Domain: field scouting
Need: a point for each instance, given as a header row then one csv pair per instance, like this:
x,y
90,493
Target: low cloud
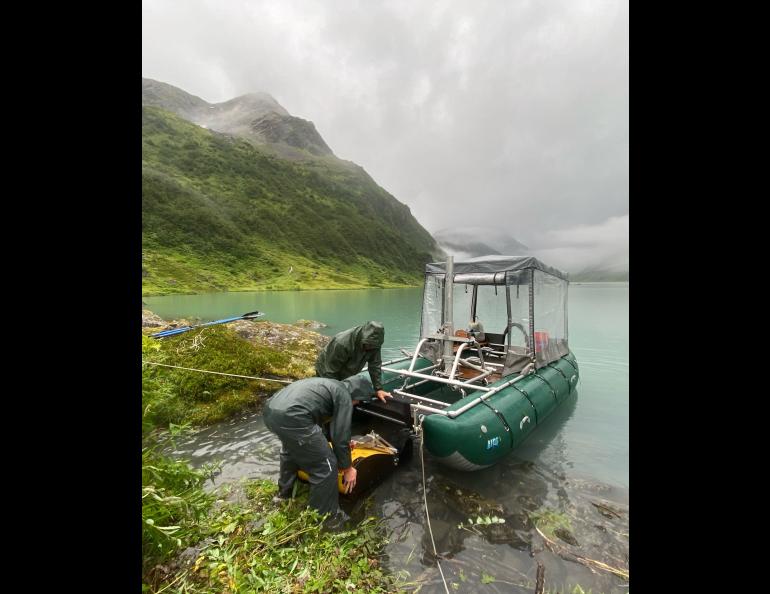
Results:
x,y
603,246
513,113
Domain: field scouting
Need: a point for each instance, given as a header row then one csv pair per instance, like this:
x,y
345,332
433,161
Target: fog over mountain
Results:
x,y
256,116
589,249
233,193
471,242
512,114
602,247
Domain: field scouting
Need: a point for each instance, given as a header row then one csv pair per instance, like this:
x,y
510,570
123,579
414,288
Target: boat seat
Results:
x,y
497,339
464,334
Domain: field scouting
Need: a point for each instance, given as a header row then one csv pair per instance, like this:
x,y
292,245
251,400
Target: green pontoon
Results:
x,y
492,361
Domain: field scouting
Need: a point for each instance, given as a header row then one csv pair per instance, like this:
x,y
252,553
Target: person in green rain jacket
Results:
x,y
295,414
348,352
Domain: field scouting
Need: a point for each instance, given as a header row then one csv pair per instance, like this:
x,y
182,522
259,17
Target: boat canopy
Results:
x,y
489,267
520,302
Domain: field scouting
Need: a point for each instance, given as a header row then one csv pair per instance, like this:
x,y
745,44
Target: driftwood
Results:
x,y
606,510
590,563
540,579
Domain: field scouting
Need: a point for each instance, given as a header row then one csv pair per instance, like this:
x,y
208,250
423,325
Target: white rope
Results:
x,y
266,379
427,515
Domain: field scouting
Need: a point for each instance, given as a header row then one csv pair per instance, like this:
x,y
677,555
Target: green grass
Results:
x,y
237,546
221,214
173,503
176,273
260,546
187,397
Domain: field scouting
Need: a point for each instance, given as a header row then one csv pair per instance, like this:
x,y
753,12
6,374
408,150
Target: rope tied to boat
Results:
x,y
252,377
427,513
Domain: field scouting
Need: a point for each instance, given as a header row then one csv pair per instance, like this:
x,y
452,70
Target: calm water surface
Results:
x,y
577,458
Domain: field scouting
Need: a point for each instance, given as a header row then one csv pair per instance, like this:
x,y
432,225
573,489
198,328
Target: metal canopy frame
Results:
x,y
483,278
497,271
444,370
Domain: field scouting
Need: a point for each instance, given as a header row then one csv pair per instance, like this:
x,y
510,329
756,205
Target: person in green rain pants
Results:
x,y
295,414
348,352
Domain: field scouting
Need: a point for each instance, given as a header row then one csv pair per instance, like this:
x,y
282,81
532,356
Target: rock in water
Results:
x,y
310,324
151,320
566,536
471,505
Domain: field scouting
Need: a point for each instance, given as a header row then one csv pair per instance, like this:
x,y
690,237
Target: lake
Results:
x,y
575,462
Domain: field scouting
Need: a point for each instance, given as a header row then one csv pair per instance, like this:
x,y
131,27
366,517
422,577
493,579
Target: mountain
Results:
x,y
231,211
256,116
471,242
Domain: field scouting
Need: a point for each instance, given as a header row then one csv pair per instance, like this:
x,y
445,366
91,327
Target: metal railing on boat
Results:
x,y
488,392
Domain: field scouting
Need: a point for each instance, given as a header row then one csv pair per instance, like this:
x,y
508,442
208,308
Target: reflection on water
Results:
x,y
244,446
596,435
535,478
574,466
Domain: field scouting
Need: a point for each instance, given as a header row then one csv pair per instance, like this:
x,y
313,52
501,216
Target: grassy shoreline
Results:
x,y
201,543
236,539
247,348
151,292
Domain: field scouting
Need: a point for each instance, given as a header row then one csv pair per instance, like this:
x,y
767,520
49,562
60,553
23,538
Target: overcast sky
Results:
x,y
512,112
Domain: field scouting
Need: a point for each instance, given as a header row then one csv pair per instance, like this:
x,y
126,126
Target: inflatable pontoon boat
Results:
x,y
477,389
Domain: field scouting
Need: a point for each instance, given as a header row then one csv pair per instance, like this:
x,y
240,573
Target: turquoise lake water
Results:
x,y
576,458
596,435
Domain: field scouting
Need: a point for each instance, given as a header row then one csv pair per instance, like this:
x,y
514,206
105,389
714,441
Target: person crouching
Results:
x,y
295,415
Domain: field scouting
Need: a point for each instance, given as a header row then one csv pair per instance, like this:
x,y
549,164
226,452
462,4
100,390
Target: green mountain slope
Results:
x,y
220,213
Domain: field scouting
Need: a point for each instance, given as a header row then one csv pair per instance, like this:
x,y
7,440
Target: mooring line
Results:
x,y
427,514
265,379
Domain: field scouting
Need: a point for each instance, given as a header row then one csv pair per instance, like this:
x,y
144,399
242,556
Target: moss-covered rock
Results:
x,y
257,349
151,320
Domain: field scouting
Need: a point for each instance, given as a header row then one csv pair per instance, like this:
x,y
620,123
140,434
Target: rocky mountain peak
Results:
x,y
258,117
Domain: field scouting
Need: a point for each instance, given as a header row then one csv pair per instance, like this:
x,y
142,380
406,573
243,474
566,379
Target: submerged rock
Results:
x,y
606,510
311,324
566,536
504,527
466,501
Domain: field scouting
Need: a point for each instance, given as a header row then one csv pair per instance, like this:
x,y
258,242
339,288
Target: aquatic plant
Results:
x,y
552,525
480,521
549,521
486,578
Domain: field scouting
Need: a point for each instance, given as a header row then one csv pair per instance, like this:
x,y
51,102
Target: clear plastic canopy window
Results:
x,y
550,327
546,333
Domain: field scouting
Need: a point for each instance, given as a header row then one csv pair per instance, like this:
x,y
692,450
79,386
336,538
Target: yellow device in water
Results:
x,y
371,456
